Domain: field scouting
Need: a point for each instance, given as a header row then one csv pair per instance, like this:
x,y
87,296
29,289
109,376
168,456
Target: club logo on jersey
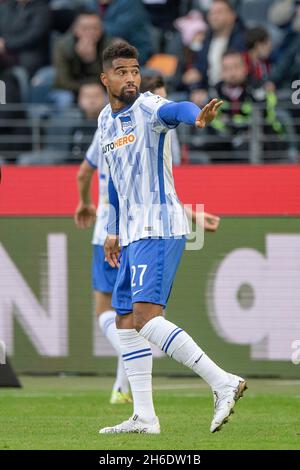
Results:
x,y
118,143
126,124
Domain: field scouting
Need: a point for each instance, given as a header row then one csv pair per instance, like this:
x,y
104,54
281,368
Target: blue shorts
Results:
x,y
147,271
103,276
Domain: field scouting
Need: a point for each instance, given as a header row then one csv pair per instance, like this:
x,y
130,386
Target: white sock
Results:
x,y
107,323
137,357
178,344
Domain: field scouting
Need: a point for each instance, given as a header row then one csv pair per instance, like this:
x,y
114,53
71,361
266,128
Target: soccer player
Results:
x,y
103,275
150,224
152,228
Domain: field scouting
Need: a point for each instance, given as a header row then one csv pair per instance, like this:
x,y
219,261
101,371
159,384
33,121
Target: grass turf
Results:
x,y
66,413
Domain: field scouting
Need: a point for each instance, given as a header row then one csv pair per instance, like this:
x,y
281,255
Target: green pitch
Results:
x,y
66,413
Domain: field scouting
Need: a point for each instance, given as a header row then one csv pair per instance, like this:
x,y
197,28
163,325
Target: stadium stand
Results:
x,y
44,68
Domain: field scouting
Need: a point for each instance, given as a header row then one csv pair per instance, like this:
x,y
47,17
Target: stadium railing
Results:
x,y
26,129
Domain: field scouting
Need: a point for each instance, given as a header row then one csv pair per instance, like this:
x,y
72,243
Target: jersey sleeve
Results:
x,y
93,153
152,104
114,211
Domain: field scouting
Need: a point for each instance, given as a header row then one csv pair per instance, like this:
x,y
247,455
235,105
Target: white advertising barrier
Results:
x,y
45,322
255,299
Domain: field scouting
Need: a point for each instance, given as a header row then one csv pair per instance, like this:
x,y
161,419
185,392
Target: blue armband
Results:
x,y
173,114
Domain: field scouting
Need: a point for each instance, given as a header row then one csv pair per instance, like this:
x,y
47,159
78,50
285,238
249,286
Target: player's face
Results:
x,y
123,80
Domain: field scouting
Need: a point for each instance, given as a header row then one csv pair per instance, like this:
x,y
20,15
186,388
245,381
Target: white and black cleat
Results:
x,y
225,400
134,425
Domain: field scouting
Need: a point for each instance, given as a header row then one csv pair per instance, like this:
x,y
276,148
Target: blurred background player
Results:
x,y
156,85
103,276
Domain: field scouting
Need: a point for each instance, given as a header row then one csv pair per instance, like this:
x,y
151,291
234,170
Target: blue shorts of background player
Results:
x,y
103,276
147,271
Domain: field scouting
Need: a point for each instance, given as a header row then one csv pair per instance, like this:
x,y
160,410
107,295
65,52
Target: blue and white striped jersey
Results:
x,y
137,148
97,160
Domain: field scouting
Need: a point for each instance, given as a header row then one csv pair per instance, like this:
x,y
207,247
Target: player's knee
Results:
x,y
119,322
139,322
140,319
143,313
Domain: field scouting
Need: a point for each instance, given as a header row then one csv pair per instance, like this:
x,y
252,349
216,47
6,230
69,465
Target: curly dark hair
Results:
x,y
116,50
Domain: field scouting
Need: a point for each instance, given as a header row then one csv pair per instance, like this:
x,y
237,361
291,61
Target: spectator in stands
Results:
x,y
287,67
225,32
285,70
286,59
259,48
91,100
129,22
235,116
192,28
15,133
24,28
78,55
69,134
24,33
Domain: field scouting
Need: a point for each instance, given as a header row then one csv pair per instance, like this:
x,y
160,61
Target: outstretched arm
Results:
x,y
186,112
210,222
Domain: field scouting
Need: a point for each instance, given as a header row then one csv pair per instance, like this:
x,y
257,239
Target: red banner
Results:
x,y
224,190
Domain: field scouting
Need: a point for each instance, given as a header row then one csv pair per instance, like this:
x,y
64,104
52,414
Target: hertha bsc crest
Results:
x,y
126,124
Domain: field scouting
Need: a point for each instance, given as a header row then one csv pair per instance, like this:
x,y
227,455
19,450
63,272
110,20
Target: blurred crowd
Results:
x,y
243,51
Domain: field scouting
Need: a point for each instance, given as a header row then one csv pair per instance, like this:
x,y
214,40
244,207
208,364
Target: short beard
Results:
x,y
127,98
